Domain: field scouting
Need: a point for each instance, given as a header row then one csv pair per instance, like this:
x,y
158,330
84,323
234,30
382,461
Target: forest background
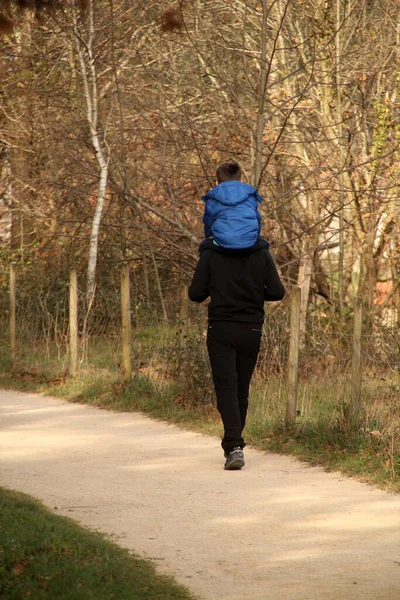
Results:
x,y
113,117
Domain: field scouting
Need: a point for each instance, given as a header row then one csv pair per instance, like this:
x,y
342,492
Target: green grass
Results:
x,y
320,436
46,556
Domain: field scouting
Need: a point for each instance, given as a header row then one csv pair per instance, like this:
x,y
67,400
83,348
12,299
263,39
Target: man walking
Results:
x,y
238,282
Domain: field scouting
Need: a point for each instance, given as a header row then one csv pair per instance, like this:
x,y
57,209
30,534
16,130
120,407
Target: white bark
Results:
x,y
99,143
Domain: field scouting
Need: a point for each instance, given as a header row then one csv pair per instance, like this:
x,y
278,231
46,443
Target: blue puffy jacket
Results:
x,y
231,214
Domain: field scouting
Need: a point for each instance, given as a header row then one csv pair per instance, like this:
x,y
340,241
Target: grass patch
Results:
x,y
320,437
46,556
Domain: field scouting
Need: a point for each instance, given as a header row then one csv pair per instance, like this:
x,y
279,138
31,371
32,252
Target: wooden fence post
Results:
x,y
126,323
356,375
183,313
293,359
73,321
13,312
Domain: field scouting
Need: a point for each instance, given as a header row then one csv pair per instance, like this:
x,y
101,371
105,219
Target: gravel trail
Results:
x,y
277,530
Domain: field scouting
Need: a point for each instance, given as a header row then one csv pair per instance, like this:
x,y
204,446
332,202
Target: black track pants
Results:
x,y
233,349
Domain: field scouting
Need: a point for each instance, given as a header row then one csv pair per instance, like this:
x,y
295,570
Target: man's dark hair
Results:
x,y
228,171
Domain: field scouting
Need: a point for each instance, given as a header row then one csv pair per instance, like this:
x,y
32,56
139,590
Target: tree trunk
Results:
x,y
87,61
304,282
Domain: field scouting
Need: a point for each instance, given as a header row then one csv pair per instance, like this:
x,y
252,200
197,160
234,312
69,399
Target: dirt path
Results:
x,y
277,530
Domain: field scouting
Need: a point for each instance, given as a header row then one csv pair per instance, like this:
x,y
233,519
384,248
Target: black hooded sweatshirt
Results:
x,y
238,282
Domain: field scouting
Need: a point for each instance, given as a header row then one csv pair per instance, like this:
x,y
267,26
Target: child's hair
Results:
x,y
228,171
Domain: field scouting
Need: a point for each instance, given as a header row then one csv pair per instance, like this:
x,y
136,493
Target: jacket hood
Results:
x,y
231,193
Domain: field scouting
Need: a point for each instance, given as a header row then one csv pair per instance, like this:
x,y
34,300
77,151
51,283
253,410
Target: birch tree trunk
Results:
x,y
87,62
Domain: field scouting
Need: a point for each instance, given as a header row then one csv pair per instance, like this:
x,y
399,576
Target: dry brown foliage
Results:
x,y
171,20
6,25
